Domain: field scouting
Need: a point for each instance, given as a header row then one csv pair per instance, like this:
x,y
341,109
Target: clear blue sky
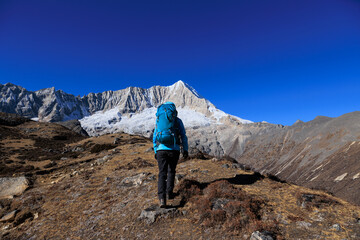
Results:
x,y
274,60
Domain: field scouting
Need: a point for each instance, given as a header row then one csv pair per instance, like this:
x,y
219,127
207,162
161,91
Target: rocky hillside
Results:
x,y
75,187
322,153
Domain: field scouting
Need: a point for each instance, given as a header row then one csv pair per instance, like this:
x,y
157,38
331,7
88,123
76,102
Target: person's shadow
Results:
x,y
243,179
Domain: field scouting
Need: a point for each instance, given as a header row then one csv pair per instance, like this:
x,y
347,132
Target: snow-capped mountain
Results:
x,y
131,110
46,105
135,108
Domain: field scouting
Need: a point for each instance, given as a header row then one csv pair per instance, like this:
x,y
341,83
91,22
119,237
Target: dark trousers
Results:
x,y
167,161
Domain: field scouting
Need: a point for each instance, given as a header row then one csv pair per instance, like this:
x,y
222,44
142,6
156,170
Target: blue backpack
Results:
x,y
166,131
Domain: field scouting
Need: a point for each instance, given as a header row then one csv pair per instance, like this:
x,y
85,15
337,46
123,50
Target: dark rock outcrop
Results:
x,y
10,119
74,125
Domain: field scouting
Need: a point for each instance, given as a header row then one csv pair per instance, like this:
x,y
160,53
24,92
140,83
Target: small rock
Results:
x,y
6,227
9,217
136,180
149,150
107,179
336,227
305,199
264,235
151,178
225,165
117,140
178,177
154,212
319,217
303,224
116,151
134,153
64,158
194,170
236,165
205,171
219,203
214,159
77,149
107,157
12,186
103,160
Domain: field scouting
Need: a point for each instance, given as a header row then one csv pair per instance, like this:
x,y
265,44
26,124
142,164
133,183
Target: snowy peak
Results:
x,y
181,85
133,109
127,108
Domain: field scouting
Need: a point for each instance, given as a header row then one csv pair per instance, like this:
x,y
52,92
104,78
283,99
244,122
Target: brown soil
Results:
x,y
76,196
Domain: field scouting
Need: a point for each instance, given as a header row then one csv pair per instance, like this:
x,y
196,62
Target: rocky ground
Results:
x,y
105,187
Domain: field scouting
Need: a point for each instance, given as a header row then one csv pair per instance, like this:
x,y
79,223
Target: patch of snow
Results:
x,y
314,178
356,176
216,113
100,121
181,83
317,168
191,118
242,120
142,123
192,90
35,119
340,178
350,146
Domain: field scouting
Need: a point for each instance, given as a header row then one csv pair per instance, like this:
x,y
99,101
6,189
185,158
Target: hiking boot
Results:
x,y
170,195
162,203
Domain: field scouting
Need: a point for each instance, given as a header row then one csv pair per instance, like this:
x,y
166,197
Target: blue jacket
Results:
x,y
182,136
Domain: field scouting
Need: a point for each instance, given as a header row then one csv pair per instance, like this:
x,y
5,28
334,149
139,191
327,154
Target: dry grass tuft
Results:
x,y
188,188
222,205
310,201
136,164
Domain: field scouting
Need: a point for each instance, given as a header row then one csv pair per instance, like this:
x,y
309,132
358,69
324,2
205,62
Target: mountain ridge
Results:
x,y
51,105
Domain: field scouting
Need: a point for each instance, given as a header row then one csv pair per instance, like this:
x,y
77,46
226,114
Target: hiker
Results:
x,y
169,134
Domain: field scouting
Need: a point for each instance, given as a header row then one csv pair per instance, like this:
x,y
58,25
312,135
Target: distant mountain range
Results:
x,y
131,110
52,105
323,153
